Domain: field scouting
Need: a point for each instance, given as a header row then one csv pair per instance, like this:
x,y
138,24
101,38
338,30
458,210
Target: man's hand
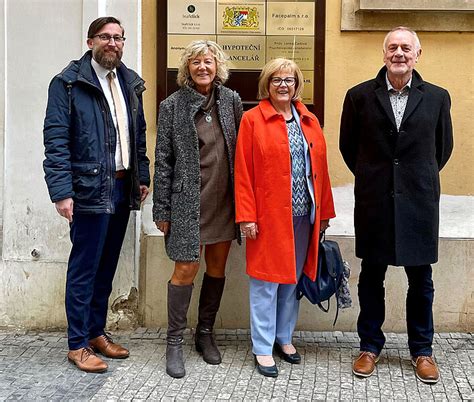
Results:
x,y
249,229
163,226
143,192
65,207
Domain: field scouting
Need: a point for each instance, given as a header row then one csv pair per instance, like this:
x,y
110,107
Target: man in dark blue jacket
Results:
x,y
96,170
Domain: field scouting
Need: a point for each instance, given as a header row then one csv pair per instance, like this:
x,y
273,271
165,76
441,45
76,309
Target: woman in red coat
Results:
x,y
283,200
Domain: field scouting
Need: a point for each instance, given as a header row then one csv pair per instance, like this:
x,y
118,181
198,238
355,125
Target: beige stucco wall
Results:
x,y
447,60
353,57
32,289
453,311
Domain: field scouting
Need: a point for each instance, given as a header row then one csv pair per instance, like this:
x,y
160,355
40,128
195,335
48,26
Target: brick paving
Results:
x,y
33,366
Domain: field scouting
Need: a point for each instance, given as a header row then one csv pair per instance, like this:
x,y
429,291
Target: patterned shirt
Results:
x,y
300,197
399,100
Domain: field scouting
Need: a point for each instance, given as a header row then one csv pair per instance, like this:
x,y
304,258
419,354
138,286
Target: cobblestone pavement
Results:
x,y
33,366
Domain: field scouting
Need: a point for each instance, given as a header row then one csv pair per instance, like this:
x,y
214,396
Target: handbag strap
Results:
x,y
337,310
326,309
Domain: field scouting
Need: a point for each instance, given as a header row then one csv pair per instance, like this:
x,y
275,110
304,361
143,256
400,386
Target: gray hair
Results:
x,y
199,48
417,40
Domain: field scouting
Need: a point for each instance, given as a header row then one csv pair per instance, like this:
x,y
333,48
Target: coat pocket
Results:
x,y
86,180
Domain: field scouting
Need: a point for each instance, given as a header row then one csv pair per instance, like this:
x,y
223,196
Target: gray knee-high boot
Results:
x,y
209,302
178,303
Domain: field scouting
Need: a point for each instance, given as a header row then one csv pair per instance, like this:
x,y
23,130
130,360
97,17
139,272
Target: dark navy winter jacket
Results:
x,y
80,138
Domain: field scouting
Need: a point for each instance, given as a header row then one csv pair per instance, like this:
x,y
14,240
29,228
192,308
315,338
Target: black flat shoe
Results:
x,y
294,358
267,371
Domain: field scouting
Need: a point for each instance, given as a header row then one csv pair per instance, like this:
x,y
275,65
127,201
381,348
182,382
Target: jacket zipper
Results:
x,y
105,113
110,176
69,94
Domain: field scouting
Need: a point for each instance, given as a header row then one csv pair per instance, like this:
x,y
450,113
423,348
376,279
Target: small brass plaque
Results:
x,y
177,43
308,87
290,18
239,18
244,52
191,17
300,49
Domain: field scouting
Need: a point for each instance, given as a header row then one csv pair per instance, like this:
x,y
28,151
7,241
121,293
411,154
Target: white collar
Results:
x,y
101,71
390,86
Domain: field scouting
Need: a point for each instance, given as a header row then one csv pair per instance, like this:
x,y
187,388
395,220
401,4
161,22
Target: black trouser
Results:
x,y
419,308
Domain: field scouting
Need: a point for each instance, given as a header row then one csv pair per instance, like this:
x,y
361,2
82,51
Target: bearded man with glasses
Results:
x,y
96,170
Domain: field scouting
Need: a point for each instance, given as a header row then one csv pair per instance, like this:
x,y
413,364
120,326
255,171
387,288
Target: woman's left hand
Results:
x,y
249,229
324,225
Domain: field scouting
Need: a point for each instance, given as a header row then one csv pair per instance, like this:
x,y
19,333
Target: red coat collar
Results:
x,y
268,111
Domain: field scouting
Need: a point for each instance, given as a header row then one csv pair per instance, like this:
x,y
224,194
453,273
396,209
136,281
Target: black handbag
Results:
x,y
328,277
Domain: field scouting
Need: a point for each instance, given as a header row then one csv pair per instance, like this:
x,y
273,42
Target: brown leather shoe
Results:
x,y
86,360
426,369
104,345
364,365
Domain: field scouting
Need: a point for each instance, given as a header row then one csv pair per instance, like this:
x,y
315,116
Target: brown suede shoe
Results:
x,y
426,369
364,365
104,345
86,360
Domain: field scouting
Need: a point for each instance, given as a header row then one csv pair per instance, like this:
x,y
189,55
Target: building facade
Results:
x,y
40,38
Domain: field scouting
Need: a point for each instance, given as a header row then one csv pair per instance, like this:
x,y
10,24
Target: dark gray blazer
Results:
x,y
397,187
177,180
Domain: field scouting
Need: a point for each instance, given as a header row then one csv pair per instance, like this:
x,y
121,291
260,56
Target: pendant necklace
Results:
x,y
208,115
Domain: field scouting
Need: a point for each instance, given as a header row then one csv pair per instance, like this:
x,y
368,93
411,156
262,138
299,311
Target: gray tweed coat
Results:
x,y
177,180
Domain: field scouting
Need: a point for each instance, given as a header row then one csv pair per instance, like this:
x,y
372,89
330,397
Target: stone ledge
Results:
x,y
456,219
353,18
415,5
453,276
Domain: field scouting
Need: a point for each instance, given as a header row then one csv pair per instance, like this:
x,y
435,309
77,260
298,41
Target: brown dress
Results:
x,y
217,212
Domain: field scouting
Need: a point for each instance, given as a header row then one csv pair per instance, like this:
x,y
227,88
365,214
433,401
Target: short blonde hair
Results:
x,y
199,48
278,65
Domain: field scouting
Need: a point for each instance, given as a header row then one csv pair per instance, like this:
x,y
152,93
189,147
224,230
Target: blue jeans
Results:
x,y
419,308
96,243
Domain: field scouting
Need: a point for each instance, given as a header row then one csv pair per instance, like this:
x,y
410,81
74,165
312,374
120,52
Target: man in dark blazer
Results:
x,y
96,170
396,135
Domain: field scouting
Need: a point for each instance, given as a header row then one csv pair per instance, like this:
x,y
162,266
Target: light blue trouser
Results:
x,y
273,306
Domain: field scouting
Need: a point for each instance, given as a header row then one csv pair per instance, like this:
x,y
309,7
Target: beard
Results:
x,y
109,60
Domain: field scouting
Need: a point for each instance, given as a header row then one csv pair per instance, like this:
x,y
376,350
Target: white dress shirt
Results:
x,y
398,100
102,76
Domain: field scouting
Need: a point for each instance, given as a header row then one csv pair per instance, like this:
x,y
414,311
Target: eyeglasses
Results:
x,y
277,81
107,38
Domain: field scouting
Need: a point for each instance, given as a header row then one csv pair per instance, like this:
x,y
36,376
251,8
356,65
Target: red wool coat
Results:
x,y
263,191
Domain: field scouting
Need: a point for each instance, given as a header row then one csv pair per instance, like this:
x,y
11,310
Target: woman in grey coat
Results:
x,y
193,200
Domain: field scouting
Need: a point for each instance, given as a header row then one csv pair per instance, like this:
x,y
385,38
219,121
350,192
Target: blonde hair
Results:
x,y
278,65
200,48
